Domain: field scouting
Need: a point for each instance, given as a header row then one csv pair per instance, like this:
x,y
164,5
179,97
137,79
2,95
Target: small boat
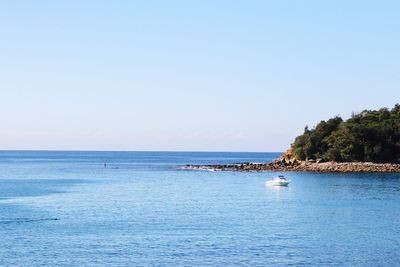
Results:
x,y
278,181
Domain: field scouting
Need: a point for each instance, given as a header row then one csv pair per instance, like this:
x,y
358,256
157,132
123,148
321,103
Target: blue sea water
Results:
x,y
67,209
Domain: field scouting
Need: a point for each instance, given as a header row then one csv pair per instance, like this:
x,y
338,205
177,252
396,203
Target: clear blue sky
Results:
x,y
190,75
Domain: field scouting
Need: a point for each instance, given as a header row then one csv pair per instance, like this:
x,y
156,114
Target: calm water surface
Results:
x,y
67,209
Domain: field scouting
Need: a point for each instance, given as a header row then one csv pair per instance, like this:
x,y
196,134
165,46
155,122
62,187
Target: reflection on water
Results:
x,y
277,188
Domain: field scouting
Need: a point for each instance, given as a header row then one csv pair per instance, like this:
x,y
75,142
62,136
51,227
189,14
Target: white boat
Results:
x,y
278,181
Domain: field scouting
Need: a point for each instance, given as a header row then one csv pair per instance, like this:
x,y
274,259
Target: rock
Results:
x,y
287,162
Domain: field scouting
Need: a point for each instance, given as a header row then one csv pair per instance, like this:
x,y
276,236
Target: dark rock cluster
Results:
x,y
288,163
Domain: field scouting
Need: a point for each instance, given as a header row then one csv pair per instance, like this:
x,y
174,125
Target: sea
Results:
x,y
61,208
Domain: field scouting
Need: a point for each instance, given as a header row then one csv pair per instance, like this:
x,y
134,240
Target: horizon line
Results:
x,y
160,151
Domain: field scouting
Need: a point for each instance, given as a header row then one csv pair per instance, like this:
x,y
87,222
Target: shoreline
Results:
x,y
282,164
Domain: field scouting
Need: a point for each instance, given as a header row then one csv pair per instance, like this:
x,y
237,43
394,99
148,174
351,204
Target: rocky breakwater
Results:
x,y
287,162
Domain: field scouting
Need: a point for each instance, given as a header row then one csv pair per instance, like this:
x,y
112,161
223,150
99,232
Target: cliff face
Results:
x,y
287,157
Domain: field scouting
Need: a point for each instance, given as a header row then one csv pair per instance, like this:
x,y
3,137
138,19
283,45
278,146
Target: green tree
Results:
x,y
372,135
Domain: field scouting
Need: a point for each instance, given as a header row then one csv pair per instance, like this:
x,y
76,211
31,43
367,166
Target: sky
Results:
x,y
190,75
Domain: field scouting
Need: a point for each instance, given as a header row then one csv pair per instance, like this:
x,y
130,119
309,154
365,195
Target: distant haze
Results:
x,y
190,75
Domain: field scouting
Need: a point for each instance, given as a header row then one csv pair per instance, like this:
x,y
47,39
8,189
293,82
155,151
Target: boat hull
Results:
x,y
274,183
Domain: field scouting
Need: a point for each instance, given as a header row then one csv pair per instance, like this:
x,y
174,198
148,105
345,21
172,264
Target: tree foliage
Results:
x,y
369,136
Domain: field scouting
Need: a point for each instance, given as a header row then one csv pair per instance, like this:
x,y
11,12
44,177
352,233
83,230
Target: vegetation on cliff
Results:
x,y
369,136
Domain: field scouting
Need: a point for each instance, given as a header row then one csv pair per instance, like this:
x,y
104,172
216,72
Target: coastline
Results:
x,y
289,164
327,167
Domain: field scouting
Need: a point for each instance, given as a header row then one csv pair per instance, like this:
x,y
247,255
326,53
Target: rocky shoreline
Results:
x,y
287,163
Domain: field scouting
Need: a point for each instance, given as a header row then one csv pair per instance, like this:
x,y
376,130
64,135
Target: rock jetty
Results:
x,y
287,162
